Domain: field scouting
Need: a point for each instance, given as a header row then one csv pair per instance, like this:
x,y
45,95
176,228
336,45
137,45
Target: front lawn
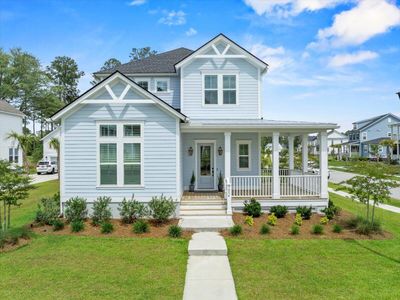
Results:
x,y
319,269
75,267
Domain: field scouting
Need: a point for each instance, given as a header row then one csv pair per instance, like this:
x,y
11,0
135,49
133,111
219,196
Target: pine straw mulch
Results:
x,y
120,230
282,229
10,247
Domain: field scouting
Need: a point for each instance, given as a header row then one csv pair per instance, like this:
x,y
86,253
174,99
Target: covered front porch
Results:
x,y
230,152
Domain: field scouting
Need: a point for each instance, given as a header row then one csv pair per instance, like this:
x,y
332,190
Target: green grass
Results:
x,y
25,213
73,267
319,269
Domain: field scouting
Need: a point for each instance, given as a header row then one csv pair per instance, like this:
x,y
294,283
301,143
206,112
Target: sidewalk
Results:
x,y
383,206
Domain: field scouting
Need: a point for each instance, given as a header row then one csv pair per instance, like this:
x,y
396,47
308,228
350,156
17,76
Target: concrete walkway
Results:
x,y
208,274
42,178
383,206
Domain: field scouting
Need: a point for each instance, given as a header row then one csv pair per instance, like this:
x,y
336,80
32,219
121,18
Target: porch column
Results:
x,y
304,148
227,154
276,192
323,163
291,152
397,136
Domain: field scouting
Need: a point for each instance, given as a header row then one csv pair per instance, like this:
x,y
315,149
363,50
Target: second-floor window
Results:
x,y
144,84
161,85
220,89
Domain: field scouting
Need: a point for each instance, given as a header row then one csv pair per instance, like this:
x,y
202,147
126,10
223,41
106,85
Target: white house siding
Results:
x,y
172,97
48,151
160,159
9,123
192,90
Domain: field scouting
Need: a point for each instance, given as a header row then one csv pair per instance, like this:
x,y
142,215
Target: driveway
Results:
x,y
43,178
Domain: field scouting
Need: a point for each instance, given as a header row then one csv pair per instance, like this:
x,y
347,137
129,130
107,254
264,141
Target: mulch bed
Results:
x,y
282,229
10,247
120,230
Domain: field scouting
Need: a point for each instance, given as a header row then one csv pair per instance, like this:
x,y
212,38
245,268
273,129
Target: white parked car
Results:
x,y
46,167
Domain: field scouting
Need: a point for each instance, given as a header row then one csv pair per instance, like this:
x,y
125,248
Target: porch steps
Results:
x,y
206,223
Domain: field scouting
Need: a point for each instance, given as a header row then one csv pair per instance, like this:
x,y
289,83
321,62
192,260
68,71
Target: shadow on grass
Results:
x,y
356,242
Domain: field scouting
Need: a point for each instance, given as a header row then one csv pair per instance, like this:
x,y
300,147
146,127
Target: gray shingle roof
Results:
x,y
8,108
159,63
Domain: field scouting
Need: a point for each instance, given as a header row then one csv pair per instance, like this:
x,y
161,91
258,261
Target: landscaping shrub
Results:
x,y
130,210
295,229
140,226
235,230
317,229
272,219
367,227
354,221
252,208
77,225
332,210
298,220
48,210
101,210
249,221
324,220
58,225
13,235
75,209
337,228
107,227
174,231
161,208
265,229
279,211
304,211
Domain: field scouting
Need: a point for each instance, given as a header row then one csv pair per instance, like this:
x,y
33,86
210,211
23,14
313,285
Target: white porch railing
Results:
x,y
282,172
228,196
300,185
251,186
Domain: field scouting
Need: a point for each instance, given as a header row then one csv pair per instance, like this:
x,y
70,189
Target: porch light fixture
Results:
x,y
190,151
220,150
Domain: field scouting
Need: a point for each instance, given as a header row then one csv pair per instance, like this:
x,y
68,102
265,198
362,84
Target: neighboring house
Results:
x,y
49,153
10,120
147,125
334,138
368,132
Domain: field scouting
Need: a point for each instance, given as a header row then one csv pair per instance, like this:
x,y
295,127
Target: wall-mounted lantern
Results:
x,y
190,151
220,150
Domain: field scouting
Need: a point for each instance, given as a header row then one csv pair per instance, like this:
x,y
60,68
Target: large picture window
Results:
x,y
120,154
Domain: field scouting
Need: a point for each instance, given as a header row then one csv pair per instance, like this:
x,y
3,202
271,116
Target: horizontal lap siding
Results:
x,y
159,152
247,96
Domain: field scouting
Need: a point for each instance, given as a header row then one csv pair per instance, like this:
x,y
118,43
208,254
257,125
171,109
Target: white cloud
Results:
x,y
287,8
357,25
137,2
341,60
275,57
191,31
173,17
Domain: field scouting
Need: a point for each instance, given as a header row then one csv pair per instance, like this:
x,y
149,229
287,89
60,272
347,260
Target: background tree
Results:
x,y
374,151
110,64
64,75
140,53
25,142
55,144
390,144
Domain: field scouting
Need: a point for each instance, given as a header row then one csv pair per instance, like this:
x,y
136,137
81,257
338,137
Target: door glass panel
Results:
x,y
205,160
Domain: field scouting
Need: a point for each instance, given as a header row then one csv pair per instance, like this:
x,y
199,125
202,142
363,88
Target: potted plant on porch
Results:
x,y
192,181
220,182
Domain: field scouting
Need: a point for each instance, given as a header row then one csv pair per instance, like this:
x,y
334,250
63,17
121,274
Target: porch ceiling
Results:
x,y
256,125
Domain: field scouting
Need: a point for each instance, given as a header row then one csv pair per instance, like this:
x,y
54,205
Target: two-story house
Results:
x,y
368,132
335,141
148,125
10,121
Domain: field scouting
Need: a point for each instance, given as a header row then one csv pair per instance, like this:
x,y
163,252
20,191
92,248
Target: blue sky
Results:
x,y
330,60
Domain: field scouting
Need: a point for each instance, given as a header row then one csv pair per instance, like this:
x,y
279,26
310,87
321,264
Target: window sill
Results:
x,y
118,187
165,92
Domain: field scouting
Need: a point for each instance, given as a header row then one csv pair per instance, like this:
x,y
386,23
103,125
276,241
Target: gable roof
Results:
x,y
158,63
51,134
9,109
338,133
375,120
57,115
372,119
223,37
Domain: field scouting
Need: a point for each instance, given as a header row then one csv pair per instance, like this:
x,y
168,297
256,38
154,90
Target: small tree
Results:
x,y
374,151
55,144
390,144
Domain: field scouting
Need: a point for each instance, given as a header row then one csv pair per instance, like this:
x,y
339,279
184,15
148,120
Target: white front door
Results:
x,y
205,166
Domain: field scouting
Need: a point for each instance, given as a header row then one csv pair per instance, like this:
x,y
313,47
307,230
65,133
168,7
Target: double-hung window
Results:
x,y
143,84
243,155
162,85
220,89
120,154
13,155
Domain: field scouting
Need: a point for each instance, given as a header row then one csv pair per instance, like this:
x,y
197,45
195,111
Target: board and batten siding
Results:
x,y
192,89
80,148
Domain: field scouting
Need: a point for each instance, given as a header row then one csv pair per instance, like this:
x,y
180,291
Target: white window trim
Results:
x,y
120,140
220,88
238,143
162,79
364,136
15,153
389,134
137,79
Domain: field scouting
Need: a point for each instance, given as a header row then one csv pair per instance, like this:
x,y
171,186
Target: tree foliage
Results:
x,y
110,64
25,141
140,53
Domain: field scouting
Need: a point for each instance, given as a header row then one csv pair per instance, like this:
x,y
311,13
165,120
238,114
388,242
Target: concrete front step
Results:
x,y
205,223
203,212
203,207
207,243
203,202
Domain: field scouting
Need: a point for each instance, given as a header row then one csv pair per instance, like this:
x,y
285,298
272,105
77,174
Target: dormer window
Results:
x,y
219,89
162,85
143,84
